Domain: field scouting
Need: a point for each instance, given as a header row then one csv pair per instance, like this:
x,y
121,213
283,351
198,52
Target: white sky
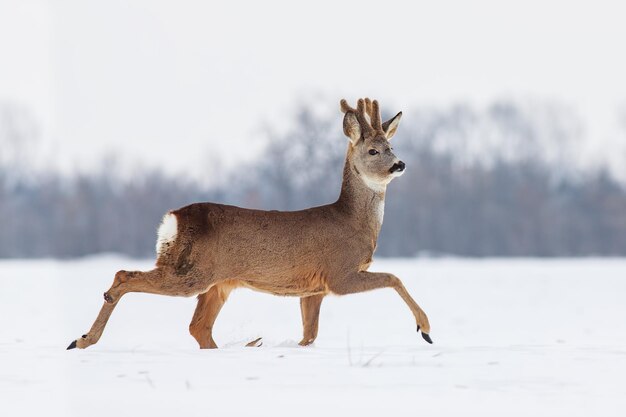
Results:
x,y
186,84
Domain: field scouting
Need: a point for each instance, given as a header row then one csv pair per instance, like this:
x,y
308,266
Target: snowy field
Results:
x,y
512,338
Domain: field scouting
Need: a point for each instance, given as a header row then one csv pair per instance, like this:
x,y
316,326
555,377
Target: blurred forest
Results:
x,y
495,182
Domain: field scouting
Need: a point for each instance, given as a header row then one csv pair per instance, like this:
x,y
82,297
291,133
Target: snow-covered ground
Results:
x,y
512,338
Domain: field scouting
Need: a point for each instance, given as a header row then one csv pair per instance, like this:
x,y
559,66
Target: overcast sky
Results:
x,y
183,84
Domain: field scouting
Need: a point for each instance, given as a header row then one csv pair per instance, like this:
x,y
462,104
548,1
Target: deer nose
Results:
x,y
398,166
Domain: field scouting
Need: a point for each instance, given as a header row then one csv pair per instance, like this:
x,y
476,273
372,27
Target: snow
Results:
x,y
512,337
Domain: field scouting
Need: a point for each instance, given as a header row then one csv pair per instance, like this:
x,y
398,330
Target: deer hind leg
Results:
x,y
156,281
310,310
209,305
96,330
366,281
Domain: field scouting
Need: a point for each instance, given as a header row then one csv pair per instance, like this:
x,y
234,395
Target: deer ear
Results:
x,y
351,127
391,125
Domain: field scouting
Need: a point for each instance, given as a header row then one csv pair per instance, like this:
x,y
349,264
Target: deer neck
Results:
x,y
362,201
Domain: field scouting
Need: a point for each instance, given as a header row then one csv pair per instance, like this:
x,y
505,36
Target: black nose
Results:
x,y
399,167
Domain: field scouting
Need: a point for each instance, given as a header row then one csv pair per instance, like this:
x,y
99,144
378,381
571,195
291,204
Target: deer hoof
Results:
x,y
81,343
425,336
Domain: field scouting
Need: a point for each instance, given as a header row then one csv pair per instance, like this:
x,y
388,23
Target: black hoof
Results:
x,y
72,345
427,338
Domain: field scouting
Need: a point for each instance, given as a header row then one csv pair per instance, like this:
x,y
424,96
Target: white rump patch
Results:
x,y
167,233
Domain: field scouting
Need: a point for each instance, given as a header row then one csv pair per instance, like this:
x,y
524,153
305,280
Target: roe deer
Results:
x,y
210,249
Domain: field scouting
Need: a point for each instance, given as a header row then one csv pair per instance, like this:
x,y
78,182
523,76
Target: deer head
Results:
x,y
370,153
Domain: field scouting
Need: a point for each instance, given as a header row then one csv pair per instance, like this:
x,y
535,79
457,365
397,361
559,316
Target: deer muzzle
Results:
x,y
397,167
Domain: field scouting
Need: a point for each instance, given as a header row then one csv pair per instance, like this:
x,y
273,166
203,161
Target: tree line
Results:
x,y
498,182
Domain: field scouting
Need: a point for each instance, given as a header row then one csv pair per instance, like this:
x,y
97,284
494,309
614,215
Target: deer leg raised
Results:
x,y
96,330
310,310
156,281
365,281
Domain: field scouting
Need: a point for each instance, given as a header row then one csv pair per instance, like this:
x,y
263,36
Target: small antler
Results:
x,y
345,107
371,107
366,112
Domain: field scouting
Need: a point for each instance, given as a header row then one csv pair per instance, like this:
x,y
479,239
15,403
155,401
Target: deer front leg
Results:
x,y
209,305
310,309
365,281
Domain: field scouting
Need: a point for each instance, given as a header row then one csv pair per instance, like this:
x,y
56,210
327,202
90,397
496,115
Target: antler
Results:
x,y
371,107
363,108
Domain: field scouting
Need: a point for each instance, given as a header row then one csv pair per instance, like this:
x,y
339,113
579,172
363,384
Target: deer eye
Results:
x,y
373,152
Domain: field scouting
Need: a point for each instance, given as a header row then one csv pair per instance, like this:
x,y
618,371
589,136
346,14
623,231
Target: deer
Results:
x,y
208,249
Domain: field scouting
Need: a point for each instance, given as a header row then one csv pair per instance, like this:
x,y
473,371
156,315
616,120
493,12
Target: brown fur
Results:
x,y
309,253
